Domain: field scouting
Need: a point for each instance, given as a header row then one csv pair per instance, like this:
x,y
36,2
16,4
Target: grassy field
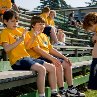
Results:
x,y
91,93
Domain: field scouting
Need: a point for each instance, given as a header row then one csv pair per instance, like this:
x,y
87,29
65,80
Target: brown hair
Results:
x,y
36,19
45,9
9,14
89,20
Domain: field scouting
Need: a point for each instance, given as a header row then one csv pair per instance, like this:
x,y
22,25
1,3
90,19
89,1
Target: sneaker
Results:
x,y
62,93
59,44
55,95
73,92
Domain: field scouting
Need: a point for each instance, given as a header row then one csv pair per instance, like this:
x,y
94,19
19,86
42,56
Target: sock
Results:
x,y
70,86
54,91
61,88
42,95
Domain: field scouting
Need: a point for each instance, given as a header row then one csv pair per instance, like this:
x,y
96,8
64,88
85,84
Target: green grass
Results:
x,y
91,93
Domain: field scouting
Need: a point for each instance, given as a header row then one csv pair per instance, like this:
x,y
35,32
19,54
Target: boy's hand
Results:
x,y
68,61
56,62
94,38
24,33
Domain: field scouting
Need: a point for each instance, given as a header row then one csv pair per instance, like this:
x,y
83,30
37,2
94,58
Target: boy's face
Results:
x,y
93,28
11,23
39,27
52,15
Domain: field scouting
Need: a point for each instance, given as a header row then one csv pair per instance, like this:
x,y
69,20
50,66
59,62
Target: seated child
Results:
x,y
14,40
42,49
90,24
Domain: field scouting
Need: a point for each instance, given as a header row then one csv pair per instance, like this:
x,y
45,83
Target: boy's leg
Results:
x,y
27,63
72,91
60,80
41,77
61,37
67,73
50,68
51,75
53,35
59,74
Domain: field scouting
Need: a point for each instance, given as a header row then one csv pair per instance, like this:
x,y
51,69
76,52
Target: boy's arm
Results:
x,y
94,38
47,56
58,54
8,47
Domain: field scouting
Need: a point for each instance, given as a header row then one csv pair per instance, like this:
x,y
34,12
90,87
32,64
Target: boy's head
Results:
x,y
52,14
46,10
10,19
37,23
90,22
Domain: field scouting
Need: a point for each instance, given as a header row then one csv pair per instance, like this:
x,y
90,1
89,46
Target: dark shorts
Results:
x,y
46,60
93,75
47,30
26,63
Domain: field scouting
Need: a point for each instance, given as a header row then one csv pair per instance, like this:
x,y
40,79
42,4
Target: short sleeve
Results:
x,y
31,43
49,45
4,37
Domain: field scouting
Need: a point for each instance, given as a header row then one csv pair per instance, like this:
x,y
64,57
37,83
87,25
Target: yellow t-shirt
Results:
x,y
5,4
9,36
42,41
44,16
51,22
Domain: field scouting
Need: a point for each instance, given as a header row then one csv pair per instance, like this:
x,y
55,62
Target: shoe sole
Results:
x,y
68,95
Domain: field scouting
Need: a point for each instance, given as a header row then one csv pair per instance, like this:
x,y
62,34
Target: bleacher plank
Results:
x,y
9,79
72,47
5,66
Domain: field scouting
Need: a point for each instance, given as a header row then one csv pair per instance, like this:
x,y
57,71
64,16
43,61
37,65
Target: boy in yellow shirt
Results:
x,y
42,49
90,24
14,40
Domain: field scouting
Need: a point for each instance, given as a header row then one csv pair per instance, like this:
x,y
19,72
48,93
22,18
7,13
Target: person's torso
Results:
x,y
19,51
43,43
51,22
44,16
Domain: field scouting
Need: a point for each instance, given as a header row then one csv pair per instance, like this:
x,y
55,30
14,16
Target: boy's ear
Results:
x,y
32,26
5,21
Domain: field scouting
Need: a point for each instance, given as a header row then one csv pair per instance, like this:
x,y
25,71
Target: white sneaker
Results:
x,y
62,93
59,43
73,92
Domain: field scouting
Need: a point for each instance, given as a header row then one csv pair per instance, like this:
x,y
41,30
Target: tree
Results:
x,y
92,3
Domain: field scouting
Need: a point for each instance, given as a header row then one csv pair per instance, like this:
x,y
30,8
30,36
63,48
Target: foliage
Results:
x,y
91,93
92,3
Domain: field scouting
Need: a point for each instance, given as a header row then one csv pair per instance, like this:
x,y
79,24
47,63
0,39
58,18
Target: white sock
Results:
x,y
54,91
42,95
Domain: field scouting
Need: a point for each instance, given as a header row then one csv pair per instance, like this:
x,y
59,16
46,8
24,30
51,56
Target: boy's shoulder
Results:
x,y
20,28
4,30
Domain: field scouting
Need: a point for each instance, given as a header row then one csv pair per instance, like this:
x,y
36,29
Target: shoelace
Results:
x,y
75,89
